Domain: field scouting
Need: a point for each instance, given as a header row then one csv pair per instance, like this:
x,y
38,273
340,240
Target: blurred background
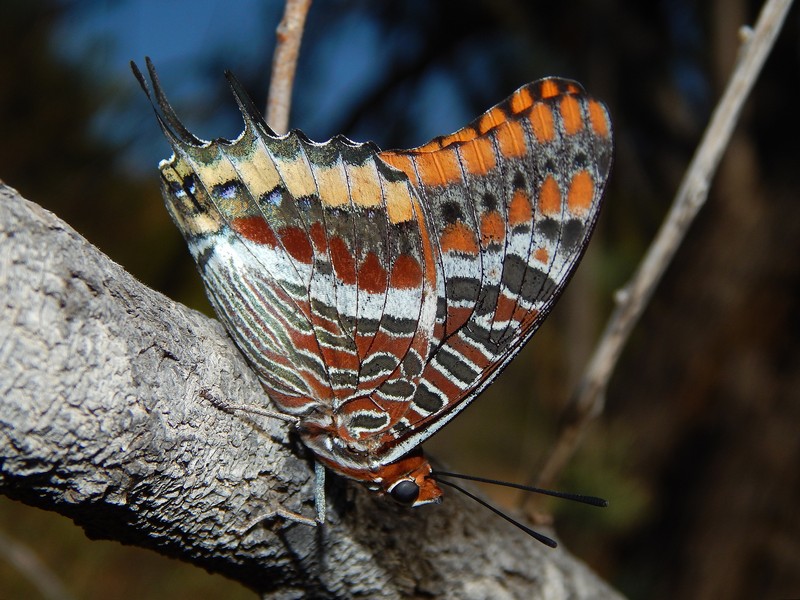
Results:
x,y
699,448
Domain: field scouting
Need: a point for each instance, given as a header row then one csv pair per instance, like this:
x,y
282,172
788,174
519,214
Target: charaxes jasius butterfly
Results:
x,y
377,293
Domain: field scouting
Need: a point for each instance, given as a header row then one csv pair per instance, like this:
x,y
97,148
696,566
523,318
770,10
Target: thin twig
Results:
x,y
25,560
588,400
289,35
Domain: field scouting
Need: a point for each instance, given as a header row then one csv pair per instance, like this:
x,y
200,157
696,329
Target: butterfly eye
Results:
x,y
405,492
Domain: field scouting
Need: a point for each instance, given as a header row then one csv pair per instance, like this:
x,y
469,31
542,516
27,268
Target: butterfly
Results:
x,y
377,293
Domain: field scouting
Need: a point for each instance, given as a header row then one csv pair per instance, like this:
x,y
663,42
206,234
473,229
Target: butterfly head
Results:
x,y
409,481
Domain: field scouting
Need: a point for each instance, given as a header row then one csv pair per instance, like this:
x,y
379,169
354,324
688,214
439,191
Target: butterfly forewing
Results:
x,y
511,201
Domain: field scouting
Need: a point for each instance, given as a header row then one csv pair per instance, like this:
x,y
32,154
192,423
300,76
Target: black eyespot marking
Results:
x,y
451,212
489,201
406,492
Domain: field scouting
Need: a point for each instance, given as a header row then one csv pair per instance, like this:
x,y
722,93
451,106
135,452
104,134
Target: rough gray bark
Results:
x,y
103,421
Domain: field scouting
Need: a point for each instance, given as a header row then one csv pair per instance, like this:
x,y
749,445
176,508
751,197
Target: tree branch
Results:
x,y
588,400
284,63
35,572
103,420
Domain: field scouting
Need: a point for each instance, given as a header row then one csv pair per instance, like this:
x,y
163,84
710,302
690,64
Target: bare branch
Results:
x,y
588,400
103,419
34,570
284,63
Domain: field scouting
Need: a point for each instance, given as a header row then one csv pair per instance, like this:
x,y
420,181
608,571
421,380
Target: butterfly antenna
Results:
x,y
583,499
534,534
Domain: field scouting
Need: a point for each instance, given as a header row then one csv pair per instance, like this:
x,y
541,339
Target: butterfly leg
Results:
x,y
319,468
288,515
319,492
282,513
247,408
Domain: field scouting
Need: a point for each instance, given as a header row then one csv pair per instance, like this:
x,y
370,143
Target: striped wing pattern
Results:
x,y
377,293
512,199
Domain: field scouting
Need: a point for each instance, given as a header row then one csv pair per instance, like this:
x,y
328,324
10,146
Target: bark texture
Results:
x,y
103,421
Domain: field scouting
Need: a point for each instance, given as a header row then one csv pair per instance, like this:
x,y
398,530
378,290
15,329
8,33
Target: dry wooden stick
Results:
x,y
588,400
284,63
30,566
